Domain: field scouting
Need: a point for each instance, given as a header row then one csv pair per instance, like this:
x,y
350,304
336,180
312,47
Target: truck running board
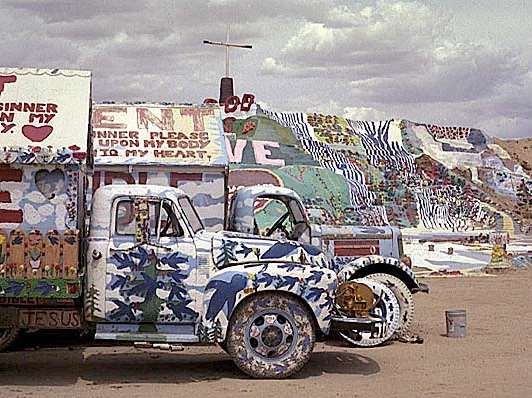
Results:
x,y
162,333
159,346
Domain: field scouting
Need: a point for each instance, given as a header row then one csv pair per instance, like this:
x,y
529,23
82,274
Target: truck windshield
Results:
x,y
190,214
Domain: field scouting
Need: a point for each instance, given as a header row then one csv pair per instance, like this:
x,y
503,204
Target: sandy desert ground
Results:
x,y
494,360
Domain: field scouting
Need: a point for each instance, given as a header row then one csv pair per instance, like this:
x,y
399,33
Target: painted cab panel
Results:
x,y
313,284
140,280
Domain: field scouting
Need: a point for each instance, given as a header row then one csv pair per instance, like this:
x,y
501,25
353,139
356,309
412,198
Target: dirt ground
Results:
x,y
494,360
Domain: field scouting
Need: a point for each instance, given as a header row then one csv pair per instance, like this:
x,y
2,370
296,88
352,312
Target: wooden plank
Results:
x,y
4,271
34,255
70,244
16,254
52,255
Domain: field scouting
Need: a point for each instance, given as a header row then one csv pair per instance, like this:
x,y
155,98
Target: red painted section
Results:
x,y
11,216
8,174
5,197
356,247
118,175
6,79
197,116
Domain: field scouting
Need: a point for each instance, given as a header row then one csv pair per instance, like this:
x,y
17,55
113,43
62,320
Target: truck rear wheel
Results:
x,y
271,335
7,337
405,298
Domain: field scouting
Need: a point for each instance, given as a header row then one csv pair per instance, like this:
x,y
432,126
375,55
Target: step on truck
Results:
x,y
128,233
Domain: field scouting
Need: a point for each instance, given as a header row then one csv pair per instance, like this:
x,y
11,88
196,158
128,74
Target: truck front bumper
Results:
x,y
422,287
368,324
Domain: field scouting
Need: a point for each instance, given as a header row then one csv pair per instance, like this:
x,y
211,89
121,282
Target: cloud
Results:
x,y
366,59
402,57
364,113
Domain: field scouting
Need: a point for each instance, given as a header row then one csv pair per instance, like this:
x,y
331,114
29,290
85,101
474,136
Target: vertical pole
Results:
x,y
227,52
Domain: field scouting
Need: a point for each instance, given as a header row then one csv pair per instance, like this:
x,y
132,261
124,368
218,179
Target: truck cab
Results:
x,y
353,252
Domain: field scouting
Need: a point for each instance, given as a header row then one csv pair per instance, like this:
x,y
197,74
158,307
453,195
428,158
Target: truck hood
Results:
x,y
231,248
354,232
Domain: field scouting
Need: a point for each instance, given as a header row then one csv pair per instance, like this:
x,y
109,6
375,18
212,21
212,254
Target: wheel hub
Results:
x,y
271,334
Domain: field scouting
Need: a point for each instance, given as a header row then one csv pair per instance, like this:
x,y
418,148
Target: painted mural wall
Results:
x,y
44,117
163,144
394,172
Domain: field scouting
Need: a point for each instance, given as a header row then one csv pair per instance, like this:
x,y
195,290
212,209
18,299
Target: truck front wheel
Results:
x,y
271,335
7,337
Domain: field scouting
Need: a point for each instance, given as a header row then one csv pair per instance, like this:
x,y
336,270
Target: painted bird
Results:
x,y
173,260
314,293
122,261
118,282
142,255
291,266
181,311
266,278
124,311
316,276
14,288
280,249
288,281
147,287
46,288
177,288
225,293
245,250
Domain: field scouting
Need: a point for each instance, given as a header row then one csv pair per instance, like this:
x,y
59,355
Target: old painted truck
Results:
x,y
106,232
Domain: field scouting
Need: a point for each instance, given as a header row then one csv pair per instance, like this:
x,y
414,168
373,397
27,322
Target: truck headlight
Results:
x,y
354,299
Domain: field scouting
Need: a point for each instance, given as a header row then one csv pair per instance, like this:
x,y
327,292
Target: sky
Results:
x,y
447,62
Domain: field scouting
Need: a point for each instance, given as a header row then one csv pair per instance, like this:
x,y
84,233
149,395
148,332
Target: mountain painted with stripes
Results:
x,y
392,172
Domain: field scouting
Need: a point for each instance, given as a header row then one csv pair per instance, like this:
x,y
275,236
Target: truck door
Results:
x,y
176,265
151,263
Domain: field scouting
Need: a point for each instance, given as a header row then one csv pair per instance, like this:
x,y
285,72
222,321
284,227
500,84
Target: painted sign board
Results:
x,y
158,134
44,115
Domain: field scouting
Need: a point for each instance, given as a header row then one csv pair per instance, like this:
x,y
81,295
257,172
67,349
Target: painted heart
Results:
x,y
36,134
50,183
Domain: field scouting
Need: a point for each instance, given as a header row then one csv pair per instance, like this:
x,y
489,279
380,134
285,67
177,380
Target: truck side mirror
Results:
x,y
142,220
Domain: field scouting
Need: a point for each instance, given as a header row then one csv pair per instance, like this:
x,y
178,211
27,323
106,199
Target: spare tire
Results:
x,y
387,308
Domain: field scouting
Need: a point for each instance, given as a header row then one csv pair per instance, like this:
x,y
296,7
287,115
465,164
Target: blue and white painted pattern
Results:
x,y
201,280
47,195
228,287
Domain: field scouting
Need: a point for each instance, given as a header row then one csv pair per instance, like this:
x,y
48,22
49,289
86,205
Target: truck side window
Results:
x,y
190,214
169,225
125,217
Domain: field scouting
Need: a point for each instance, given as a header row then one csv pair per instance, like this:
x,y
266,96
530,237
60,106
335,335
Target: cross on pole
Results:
x,y
226,44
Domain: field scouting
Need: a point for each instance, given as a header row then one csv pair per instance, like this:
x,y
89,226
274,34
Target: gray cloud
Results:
x,y
372,58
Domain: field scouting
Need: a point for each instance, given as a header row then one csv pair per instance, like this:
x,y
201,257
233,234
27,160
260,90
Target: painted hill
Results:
x,y
398,172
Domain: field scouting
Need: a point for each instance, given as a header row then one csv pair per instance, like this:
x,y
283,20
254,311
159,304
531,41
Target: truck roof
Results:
x,y
112,191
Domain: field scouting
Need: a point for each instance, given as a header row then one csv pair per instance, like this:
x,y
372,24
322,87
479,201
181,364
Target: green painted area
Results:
x,y
40,288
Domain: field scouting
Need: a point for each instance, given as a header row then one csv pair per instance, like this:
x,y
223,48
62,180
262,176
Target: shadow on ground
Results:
x,y
37,364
